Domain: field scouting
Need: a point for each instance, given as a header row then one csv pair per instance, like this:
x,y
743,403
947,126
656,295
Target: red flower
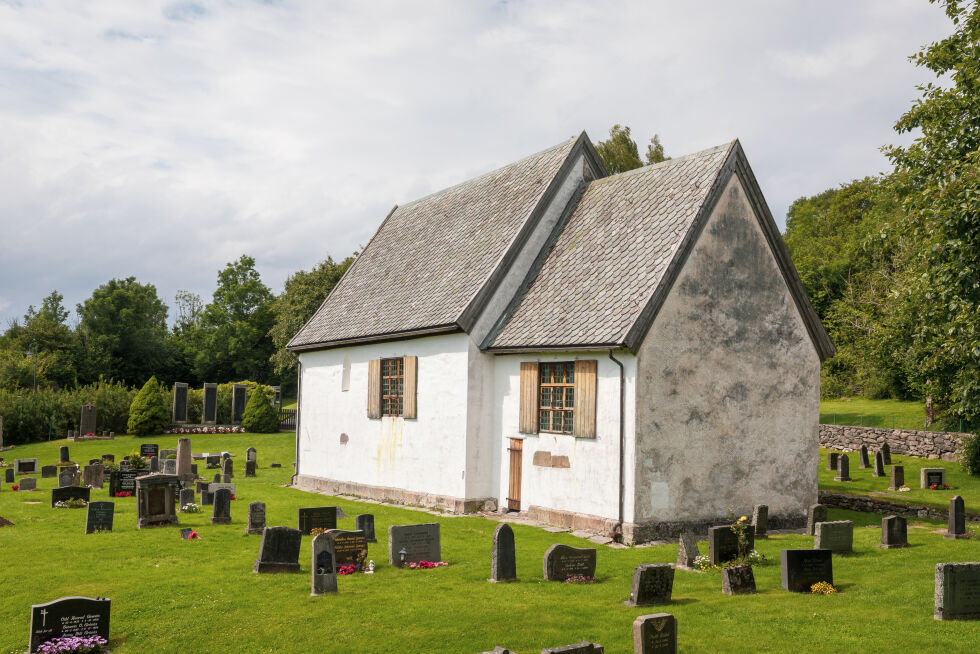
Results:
x,y
232,496
192,536
15,487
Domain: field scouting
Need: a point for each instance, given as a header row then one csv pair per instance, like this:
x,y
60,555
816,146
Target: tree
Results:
x,y
655,151
260,416
302,296
45,340
618,153
150,411
939,178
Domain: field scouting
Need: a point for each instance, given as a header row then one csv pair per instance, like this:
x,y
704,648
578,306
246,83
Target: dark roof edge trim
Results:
x,y
467,319
527,349
289,345
374,338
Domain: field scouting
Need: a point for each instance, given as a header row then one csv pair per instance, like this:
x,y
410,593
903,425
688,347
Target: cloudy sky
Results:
x,y
164,139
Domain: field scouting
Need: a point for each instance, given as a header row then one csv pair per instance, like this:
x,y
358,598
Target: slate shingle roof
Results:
x,y
612,254
432,256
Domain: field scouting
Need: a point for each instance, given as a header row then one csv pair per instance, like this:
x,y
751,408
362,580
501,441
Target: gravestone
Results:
x,y
86,425
125,464
70,493
503,555
687,550
28,483
932,477
760,520
77,481
217,478
227,469
655,634
563,561
275,465
93,475
26,466
213,487
420,543
894,532
212,461
832,461
349,547
127,480
186,497
723,544
737,580
207,498
250,468
111,458
803,568
221,514
170,467
324,566
149,449
8,476
323,517
365,522
256,518
155,500
837,536
879,470
63,455
179,414
864,462
250,455
201,486
99,517
956,524
843,469
585,647
279,550
886,453
652,584
82,617
897,478
224,456
957,591
47,472
154,464
237,403
92,462
209,414
184,461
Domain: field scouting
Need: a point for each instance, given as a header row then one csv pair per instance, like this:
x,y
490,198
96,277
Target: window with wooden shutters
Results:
x,y
392,386
586,379
556,408
374,389
529,398
411,393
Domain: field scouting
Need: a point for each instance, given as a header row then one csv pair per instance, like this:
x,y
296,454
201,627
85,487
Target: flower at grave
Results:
x,y
15,487
192,536
347,569
580,579
74,644
703,563
232,496
755,556
426,565
823,588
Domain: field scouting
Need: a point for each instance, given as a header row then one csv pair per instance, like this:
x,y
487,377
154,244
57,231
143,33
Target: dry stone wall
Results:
x,y
943,445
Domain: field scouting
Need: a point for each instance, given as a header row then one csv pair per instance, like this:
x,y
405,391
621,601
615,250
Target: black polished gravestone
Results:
x,y
63,455
957,591
250,468
655,634
832,461
503,555
148,450
87,422
209,414
349,547
8,476
956,526
803,568
279,551
653,583
66,493
414,543
99,517
237,403
221,513
82,617
894,532
563,561
365,522
316,517
179,413
127,480
47,472
723,544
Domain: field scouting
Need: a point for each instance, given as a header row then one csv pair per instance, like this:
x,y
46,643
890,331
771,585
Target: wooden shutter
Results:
x,y
374,389
409,403
529,397
583,423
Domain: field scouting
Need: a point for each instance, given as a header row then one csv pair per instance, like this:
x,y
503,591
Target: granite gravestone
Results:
x,y
349,547
843,468
213,487
47,472
864,461
66,476
186,497
932,477
760,520
207,498
86,425
250,455
82,617
111,458
93,475
250,468
879,470
227,468
156,500
324,566
8,476
815,513
237,403
26,466
652,584
99,517
655,634
837,536
563,561
897,478
316,517
365,522
687,551
179,414
170,467
63,455
184,460
201,485
127,480
256,518
894,532
149,449
209,413
154,464
957,591
418,542
723,544
832,461
27,484
503,555
279,550
956,524
803,568
886,453
92,462
221,514
737,580
66,493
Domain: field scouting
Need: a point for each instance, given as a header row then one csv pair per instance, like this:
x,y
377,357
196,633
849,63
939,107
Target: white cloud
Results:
x,y
162,140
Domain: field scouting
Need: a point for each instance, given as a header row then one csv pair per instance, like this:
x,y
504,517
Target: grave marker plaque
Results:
x,y
180,403
93,475
83,617
66,493
186,497
803,568
209,416
365,522
279,550
250,455
250,468
894,532
8,476
99,517
420,542
86,425
227,468
563,561
957,591
149,449
837,536
653,583
323,517
26,466
585,647
237,403
215,486
503,555
655,634
932,477
66,477
184,462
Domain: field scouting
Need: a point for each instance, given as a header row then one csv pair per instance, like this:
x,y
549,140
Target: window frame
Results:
x,y
566,408
387,399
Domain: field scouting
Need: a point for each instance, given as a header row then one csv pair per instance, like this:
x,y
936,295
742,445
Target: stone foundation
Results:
x,y
394,495
943,445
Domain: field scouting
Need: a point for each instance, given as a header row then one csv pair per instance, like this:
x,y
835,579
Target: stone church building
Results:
x,y
627,353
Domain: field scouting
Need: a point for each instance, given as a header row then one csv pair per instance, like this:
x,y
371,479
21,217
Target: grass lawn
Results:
x,y
171,595
873,413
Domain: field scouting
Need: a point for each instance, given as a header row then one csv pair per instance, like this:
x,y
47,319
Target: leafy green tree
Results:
x,y
655,151
619,153
150,411
260,416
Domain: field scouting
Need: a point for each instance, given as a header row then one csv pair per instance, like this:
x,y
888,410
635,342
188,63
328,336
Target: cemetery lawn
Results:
x,y
873,413
172,595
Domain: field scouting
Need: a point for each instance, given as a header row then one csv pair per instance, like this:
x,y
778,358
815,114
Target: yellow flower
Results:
x,y
742,519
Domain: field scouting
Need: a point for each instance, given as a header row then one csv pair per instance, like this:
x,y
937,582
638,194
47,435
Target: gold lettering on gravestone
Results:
x,y
656,637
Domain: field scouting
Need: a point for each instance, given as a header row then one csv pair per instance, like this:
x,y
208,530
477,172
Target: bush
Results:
x,y
29,416
260,416
970,457
150,410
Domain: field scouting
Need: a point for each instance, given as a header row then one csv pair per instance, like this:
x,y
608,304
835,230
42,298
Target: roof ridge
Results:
x,y
666,163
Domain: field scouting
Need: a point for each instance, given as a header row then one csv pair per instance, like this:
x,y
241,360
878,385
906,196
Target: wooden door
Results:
x,y
516,450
